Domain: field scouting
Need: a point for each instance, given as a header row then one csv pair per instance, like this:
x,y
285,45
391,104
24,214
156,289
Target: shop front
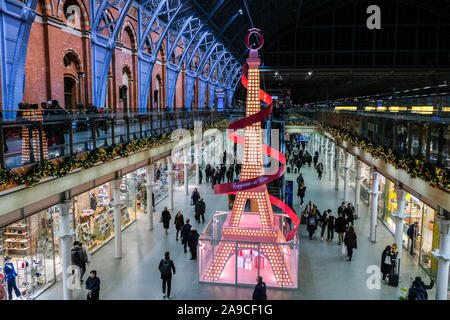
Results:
x,y
94,214
33,251
365,183
428,231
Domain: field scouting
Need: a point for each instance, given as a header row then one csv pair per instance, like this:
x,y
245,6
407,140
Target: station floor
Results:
x,y
323,272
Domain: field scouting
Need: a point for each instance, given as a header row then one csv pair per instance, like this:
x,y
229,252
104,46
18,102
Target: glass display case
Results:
x,y
244,260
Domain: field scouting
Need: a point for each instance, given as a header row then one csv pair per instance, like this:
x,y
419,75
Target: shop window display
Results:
x,y
365,183
94,215
141,190
160,187
424,215
128,198
28,246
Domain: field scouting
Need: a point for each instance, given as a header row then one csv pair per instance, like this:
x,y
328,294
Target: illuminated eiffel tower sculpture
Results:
x,y
261,226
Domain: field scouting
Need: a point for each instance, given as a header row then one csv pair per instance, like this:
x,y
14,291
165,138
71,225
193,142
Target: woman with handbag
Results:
x,y
350,242
165,219
386,262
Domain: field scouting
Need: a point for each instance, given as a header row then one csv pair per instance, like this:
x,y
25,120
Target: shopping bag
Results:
x,y
344,250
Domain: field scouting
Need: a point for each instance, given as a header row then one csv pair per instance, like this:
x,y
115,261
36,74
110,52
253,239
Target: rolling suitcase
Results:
x,y
393,278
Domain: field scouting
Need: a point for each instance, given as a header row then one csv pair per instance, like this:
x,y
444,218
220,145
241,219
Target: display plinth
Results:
x,y
237,255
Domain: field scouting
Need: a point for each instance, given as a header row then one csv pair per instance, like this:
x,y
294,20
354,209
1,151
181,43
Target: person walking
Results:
x,y
323,222
260,291
166,266
316,159
386,262
93,286
341,210
308,159
200,176
301,192
179,222
195,196
79,259
213,177
350,213
331,220
312,221
339,227
200,208
230,174
208,172
185,234
412,234
319,170
193,243
309,207
165,216
350,242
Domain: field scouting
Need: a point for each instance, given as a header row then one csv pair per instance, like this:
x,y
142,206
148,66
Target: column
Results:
x,y
443,255
66,234
374,205
325,158
116,204
197,173
357,185
149,186
330,161
170,181
337,166
186,180
347,168
400,216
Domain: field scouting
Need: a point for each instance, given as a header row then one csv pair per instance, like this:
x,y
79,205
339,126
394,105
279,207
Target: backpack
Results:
x,y
165,267
76,256
410,231
417,294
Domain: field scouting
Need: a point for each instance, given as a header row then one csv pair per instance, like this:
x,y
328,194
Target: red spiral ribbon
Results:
x,y
255,183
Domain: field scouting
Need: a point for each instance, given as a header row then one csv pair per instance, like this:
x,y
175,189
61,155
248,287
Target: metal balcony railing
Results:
x,y
38,134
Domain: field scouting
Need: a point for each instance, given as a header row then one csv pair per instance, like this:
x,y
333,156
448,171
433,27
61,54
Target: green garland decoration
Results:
x,y
100,155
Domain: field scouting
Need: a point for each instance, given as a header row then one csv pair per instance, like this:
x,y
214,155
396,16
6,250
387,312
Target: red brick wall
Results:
x,y
44,67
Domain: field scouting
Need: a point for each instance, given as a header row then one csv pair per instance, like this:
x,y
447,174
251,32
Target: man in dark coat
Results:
x,y
185,234
93,286
193,242
79,259
200,207
166,266
166,219
230,174
350,242
223,170
207,172
341,210
260,290
339,227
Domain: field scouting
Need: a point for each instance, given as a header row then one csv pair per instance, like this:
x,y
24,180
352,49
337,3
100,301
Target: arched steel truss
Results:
x,y
188,42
